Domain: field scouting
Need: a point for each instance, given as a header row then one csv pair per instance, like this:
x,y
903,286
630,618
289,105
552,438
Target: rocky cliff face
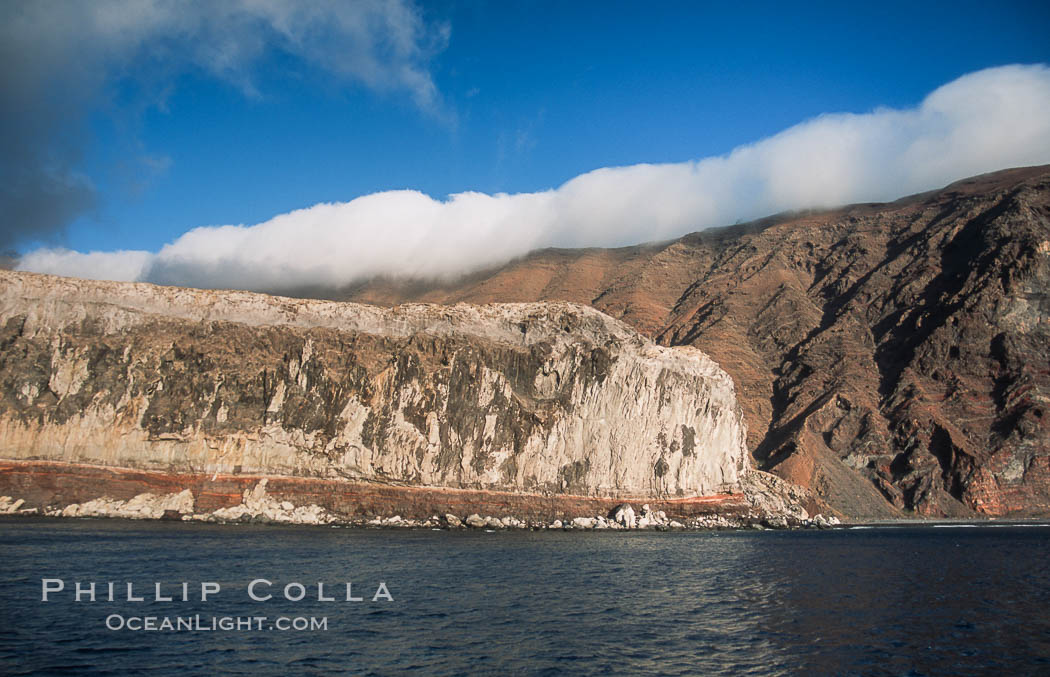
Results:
x,y
890,357
542,398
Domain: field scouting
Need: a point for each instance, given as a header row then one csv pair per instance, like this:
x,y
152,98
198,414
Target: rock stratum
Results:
x,y
117,391
893,358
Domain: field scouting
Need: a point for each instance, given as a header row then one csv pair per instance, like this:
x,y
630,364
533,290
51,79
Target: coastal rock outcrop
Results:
x,y
623,515
11,506
143,506
258,506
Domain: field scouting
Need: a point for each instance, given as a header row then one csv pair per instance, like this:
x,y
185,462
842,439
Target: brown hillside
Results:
x,y
889,356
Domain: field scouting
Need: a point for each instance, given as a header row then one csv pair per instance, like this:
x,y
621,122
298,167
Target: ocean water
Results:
x,y
877,601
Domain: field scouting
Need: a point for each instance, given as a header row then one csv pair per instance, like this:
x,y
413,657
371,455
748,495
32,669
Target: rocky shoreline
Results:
x,y
257,507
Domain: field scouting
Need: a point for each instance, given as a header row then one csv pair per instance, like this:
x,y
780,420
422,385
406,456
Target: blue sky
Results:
x,y
516,98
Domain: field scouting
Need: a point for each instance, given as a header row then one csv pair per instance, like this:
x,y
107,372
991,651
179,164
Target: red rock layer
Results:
x,y
45,484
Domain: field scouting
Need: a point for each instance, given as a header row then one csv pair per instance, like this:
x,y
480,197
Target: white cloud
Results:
x,y
384,44
984,121
119,265
61,60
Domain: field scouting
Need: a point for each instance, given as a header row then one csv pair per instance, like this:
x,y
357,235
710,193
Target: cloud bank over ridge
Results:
x,y
984,121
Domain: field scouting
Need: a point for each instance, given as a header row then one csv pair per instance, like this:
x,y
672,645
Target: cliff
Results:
x,y
890,357
538,398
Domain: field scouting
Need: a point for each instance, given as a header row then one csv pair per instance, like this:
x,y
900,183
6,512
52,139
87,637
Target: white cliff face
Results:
x,y
532,397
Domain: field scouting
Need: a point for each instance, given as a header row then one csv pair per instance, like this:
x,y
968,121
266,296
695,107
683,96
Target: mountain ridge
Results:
x,y
887,355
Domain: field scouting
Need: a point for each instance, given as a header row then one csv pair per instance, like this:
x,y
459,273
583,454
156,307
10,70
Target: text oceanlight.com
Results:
x,y
199,623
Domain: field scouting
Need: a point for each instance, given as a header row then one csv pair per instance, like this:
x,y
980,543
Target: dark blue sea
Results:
x,y
878,601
